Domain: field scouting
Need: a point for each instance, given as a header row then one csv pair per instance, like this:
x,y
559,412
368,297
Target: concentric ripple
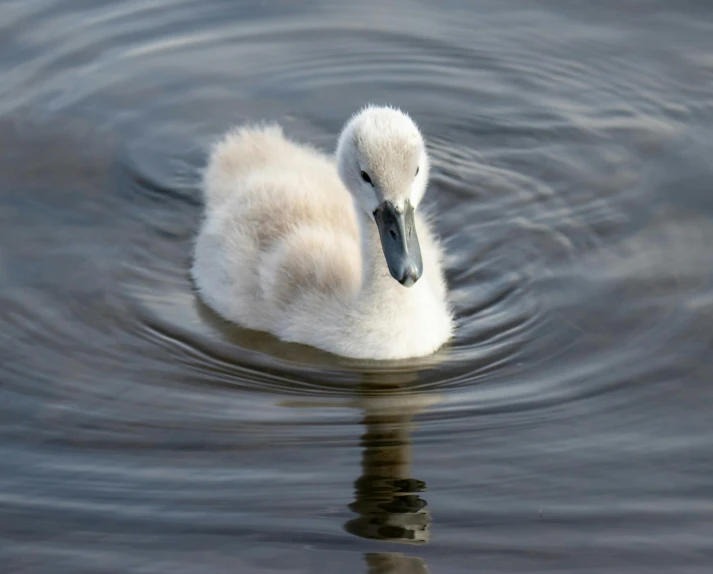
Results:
x,y
566,425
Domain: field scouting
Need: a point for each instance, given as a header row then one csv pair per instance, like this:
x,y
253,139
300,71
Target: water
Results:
x,y
566,429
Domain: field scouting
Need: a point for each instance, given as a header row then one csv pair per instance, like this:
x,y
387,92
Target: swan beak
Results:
x,y
399,242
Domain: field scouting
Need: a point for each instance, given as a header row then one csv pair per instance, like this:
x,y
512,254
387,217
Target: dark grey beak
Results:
x,y
399,242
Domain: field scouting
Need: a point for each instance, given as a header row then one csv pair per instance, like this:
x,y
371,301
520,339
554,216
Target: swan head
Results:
x,y
382,160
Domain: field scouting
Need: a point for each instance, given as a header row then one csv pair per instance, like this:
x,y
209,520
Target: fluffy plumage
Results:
x,y
288,243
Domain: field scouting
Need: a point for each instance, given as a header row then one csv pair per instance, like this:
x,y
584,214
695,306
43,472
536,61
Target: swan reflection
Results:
x,y
394,563
388,499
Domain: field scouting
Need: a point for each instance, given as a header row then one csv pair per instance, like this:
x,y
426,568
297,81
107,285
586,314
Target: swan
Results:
x,y
328,251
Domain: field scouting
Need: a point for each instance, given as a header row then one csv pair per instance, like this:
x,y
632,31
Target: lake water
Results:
x,y
567,428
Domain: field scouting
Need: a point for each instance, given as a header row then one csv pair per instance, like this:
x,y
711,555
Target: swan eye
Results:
x,y
366,178
417,168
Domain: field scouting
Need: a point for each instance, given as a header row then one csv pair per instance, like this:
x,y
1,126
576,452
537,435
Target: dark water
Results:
x,y
566,429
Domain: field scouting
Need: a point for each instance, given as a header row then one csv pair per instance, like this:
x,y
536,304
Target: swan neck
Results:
x,y
374,268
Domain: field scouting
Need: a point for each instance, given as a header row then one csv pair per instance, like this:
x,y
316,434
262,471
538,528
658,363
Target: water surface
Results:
x,y
567,428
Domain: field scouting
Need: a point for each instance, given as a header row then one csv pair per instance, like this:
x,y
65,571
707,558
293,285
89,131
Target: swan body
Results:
x,y
325,251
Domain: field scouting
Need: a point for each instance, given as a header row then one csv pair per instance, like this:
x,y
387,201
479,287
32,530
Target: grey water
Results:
x,y
567,427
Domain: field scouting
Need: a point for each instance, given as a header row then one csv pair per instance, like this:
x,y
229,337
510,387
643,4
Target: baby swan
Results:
x,y
333,256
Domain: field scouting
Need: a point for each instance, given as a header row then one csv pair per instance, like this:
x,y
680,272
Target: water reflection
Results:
x,y
387,496
393,563
571,179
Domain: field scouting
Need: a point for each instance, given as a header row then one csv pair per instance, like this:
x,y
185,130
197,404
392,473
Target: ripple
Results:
x,y
570,186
